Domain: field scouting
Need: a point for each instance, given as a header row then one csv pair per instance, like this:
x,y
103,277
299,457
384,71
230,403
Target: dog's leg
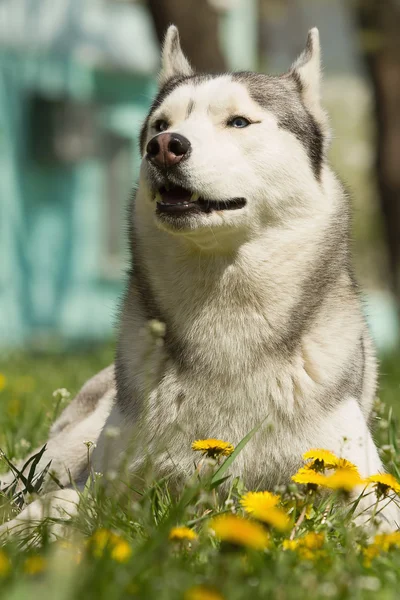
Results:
x,y
346,433
60,504
68,453
80,422
86,400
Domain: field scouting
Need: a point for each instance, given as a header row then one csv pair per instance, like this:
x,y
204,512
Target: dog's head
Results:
x,y
226,152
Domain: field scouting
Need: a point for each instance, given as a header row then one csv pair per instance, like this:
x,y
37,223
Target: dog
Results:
x,y
241,307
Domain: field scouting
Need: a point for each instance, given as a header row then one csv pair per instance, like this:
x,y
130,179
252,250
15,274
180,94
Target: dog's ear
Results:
x,y
307,72
173,62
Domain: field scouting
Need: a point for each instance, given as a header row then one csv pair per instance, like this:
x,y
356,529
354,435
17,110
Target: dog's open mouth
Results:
x,y
177,200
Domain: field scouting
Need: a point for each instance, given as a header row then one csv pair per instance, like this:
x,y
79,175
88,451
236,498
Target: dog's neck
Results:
x,y
265,272
228,314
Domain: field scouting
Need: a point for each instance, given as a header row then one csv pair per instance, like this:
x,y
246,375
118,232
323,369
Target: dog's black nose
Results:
x,y
167,149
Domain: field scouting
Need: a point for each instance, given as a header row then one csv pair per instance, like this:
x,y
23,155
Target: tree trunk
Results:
x,y
380,22
197,22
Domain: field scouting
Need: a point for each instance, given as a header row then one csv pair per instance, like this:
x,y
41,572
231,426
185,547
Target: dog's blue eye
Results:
x,y
161,125
239,122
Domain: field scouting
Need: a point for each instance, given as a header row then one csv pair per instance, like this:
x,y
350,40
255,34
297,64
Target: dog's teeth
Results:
x,y
194,197
158,197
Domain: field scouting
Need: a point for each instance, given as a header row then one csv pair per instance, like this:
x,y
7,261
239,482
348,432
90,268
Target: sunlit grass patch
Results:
x,y
200,543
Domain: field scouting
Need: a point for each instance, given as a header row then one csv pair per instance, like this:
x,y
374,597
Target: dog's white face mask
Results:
x,y
234,151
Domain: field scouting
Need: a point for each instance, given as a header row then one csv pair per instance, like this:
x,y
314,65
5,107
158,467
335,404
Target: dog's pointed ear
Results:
x,y
307,72
173,62
307,68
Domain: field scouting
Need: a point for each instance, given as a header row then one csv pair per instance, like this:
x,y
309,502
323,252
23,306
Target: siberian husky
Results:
x,y
241,263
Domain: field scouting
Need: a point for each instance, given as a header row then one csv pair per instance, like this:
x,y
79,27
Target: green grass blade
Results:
x,y
217,483
219,473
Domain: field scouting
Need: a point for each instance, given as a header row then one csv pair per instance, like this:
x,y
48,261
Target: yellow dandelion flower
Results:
x,y
290,545
236,530
201,592
103,540
100,539
307,547
263,506
3,381
121,551
384,483
253,501
5,565
320,457
213,448
343,479
311,555
34,565
337,463
180,534
313,541
369,554
343,463
276,517
387,541
309,477
383,542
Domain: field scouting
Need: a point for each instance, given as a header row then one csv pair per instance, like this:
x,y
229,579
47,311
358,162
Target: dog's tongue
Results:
x,y
175,195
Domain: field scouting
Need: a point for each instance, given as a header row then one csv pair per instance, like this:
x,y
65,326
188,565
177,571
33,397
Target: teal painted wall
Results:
x,y
62,223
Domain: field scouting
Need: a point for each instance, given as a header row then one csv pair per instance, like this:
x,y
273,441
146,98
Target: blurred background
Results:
x,y
76,80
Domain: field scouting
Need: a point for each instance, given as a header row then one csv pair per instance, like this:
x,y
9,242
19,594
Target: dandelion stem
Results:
x,y
326,513
372,518
298,522
206,515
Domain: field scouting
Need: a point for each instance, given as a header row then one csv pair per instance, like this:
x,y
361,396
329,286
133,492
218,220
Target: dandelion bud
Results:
x,y
61,393
156,328
89,444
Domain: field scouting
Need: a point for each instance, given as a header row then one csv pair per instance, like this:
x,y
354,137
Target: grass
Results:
x,y
119,546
